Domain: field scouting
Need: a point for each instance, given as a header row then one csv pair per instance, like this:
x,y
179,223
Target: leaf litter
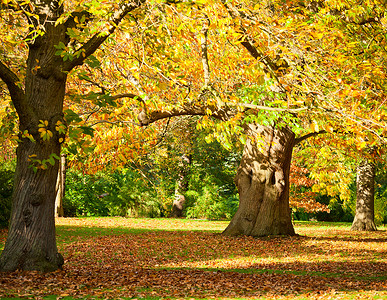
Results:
x,y
202,263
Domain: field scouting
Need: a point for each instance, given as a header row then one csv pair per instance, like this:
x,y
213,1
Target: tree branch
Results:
x,y
248,42
146,119
306,136
260,107
93,44
132,96
17,93
113,123
206,67
127,95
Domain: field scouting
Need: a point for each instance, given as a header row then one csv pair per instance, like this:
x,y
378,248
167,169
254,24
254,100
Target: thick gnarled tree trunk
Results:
x,y
31,241
181,188
263,184
365,195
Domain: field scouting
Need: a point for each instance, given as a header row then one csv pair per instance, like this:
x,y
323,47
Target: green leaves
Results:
x,y
42,164
93,62
70,116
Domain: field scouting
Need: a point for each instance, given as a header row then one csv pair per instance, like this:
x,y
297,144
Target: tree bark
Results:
x,y
31,243
181,188
60,187
365,196
263,184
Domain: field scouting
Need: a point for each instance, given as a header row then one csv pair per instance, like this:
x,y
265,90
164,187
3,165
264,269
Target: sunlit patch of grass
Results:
x,y
145,223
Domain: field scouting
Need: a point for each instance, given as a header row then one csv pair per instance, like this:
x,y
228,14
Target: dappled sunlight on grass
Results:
x,y
144,223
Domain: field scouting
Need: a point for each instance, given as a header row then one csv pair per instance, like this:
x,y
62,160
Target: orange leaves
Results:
x,y
314,126
301,194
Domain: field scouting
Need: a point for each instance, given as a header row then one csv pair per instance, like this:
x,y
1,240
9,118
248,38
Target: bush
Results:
x,y
135,197
84,195
119,193
210,201
340,211
6,187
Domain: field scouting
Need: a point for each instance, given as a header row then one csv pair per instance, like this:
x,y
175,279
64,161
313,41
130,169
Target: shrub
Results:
x,y
119,193
208,203
84,195
6,187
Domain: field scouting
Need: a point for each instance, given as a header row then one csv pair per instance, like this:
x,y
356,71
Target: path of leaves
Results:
x,y
327,263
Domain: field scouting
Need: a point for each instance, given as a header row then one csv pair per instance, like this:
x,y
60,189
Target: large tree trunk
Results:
x,y
181,188
31,243
263,184
365,195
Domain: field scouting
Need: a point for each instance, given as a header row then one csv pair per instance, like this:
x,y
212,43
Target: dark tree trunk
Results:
x,y
365,195
263,184
60,187
181,188
31,243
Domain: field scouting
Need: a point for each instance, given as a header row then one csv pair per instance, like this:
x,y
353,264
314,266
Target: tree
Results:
x,y
263,176
365,197
192,91
181,186
59,37
60,187
297,81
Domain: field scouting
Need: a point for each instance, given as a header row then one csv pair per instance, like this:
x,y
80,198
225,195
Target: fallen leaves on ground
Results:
x,y
329,262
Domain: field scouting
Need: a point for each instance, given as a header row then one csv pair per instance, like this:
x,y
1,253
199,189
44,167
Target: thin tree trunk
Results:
x,y
181,188
60,187
263,184
365,195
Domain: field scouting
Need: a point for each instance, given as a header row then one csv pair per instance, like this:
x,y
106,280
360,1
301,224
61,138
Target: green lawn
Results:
x,y
175,258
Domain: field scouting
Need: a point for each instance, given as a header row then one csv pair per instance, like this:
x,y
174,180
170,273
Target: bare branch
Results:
x,y
130,95
146,119
127,95
114,123
204,38
164,133
17,93
248,42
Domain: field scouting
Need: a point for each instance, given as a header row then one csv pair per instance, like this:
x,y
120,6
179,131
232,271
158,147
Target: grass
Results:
x,y
177,258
